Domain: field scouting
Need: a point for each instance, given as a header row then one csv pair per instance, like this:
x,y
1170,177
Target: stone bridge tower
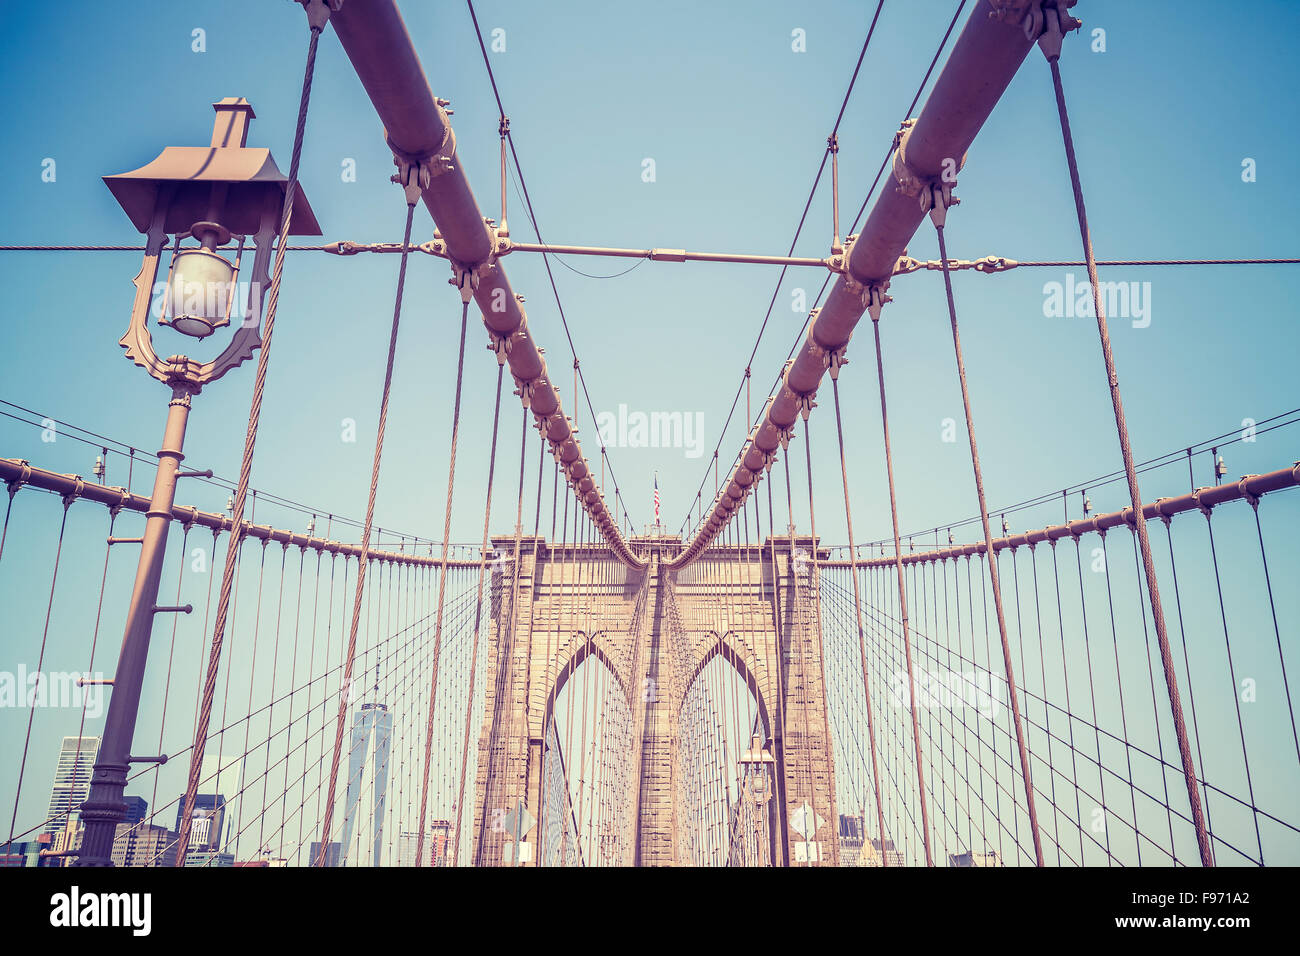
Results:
x,y
655,630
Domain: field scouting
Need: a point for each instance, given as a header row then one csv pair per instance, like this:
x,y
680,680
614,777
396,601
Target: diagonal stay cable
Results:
x,y
821,169
528,204
934,60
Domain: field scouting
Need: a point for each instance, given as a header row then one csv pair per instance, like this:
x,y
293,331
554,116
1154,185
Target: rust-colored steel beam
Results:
x,y
1251,486
15,471
419,132
985,57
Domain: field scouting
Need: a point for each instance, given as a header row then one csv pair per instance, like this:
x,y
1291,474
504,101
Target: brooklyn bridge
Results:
x,y
821,642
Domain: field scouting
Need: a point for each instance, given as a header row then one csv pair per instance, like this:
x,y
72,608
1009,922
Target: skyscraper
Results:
x,y
407,841
205,830
223,774
71,780
137,808
144,845
369,716
435,845
852,836
872,854
24,853
331,854
973,858
440,832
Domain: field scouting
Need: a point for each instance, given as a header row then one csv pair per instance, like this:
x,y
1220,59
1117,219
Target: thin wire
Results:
x,y
988,544
528,204
902,589
870,192
225,484
1151,464
1232,675
40,663
505,663
1277,633
1019,263
442,585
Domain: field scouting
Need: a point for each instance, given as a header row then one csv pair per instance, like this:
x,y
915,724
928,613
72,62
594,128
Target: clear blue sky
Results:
x,y
736,123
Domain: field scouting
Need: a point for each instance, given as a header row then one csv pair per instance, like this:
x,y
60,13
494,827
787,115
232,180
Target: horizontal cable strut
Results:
x,y
15,473
906,265
436,247
1249,487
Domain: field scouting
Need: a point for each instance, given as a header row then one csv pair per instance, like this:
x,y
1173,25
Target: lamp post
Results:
x,y
758,767
758,762
205,195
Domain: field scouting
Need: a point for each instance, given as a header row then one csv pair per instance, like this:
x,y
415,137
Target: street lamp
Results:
x,y
205,195
201,286
757,767
759,762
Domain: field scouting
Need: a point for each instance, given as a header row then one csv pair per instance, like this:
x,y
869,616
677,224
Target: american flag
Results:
x,y
656,498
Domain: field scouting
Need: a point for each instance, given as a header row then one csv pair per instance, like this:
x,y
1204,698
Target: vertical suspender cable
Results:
x,y
547,707
13,487
902,594
40,663
937,215
815,575
857,606
442,586
1277,633
782,778
532,619
478,620
803,663
1051,44
505,659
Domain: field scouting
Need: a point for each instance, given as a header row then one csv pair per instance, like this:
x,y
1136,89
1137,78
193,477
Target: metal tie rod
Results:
x,y
437,247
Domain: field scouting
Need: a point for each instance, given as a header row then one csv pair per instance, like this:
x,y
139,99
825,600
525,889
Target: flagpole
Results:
x,y
656,502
